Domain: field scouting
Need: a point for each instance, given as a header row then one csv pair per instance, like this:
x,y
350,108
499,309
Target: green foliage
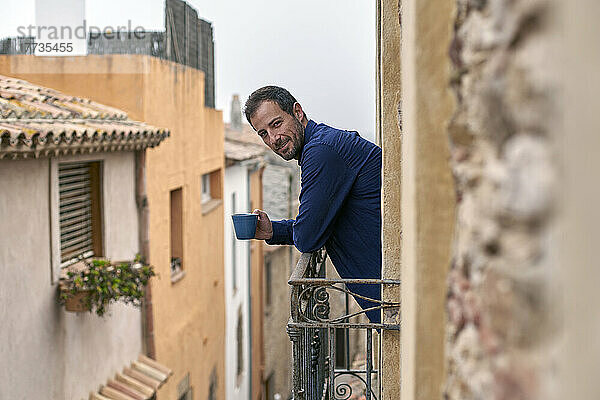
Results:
x,y
107,282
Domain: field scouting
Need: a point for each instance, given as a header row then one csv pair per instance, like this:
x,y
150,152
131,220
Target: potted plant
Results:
x,y
96,283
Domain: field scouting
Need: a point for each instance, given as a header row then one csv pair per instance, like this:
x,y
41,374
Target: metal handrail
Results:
x,y
313,333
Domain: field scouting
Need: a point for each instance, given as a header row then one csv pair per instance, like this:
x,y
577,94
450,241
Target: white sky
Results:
x,y
323,51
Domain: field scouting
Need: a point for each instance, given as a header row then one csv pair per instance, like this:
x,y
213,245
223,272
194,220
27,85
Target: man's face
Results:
x,y
283,133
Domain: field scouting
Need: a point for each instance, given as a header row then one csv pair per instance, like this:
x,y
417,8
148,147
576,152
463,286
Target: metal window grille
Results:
x,y
78,185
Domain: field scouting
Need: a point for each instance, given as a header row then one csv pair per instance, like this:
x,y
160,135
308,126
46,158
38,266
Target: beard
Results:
x,y
297,140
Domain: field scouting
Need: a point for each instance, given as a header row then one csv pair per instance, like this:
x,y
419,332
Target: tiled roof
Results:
x,y
245,134
139,382
242,144
40,122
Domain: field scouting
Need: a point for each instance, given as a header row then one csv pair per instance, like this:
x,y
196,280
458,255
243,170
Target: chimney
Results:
x,y
236,113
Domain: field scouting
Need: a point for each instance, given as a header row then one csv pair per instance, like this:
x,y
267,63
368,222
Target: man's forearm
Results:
x,y
283,232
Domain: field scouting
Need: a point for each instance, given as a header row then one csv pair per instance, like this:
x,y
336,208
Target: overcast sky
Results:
x,y
323,51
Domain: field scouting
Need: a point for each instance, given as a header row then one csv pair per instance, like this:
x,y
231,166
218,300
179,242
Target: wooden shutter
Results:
x,y
79,211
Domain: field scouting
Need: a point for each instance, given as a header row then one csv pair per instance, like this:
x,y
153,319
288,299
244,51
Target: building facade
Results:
x,y
49,140
280,189
243,271
185,232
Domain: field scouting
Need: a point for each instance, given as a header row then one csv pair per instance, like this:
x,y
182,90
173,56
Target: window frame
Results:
x,y
211,190
205,188
179,272
57,267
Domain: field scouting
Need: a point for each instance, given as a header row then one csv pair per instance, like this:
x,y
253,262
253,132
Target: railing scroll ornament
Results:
x,y
312,329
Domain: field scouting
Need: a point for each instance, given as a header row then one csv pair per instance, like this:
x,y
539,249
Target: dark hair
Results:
x,y
279,95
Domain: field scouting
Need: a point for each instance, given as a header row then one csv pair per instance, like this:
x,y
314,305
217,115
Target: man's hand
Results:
x,y
264,228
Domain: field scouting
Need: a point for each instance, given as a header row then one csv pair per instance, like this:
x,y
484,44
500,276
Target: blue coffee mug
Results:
x,y
245,225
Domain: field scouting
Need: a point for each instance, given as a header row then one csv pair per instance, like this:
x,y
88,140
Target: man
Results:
x,y
340,194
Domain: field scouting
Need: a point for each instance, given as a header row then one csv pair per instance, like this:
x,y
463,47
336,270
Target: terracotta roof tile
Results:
x,y
242,144
36,121
140,382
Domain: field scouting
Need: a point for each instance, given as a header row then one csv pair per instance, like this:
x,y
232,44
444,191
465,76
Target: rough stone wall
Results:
x,y
502,315
276,191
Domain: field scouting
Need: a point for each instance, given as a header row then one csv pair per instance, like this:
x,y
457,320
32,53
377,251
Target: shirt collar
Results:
x,y
308,131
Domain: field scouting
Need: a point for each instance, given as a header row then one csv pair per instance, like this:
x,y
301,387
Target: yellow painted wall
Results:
x,y
189,315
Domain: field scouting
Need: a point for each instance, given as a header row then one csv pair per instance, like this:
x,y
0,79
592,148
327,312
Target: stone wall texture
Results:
x,y
503,323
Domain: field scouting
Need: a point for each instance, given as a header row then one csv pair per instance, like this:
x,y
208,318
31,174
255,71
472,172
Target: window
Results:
x,y
184,391
80,211
211,186
176,204
240,346
206,188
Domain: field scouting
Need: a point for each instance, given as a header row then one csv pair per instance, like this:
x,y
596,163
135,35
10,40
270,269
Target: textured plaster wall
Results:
x,y
503,317
47,352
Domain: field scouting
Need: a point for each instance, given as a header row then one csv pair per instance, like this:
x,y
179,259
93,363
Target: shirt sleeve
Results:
x,y
282,232
326,182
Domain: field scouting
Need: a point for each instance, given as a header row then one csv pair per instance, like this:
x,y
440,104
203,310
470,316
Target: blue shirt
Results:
x,y
340,206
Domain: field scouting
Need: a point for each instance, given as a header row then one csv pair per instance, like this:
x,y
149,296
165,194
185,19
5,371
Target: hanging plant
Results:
x,y
101,282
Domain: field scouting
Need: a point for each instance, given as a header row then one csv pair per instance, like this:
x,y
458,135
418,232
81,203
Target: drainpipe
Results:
x,y
144,248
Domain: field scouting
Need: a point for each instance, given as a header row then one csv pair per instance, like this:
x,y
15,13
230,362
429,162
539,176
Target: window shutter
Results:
x,y
75,209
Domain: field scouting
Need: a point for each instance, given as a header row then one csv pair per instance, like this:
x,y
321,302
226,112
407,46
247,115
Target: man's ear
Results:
x,y
298,112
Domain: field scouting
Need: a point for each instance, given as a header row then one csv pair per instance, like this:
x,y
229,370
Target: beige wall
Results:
x,y
188,315
47,352
415,107
428,200
389,127
579,360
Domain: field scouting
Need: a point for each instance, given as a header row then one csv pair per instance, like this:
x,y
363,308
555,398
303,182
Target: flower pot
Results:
x,y
77,302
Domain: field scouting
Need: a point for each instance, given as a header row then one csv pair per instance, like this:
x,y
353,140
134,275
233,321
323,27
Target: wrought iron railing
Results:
x,y
316,374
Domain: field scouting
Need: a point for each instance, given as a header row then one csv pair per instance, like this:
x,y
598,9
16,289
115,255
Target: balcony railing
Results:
x,y
314,328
